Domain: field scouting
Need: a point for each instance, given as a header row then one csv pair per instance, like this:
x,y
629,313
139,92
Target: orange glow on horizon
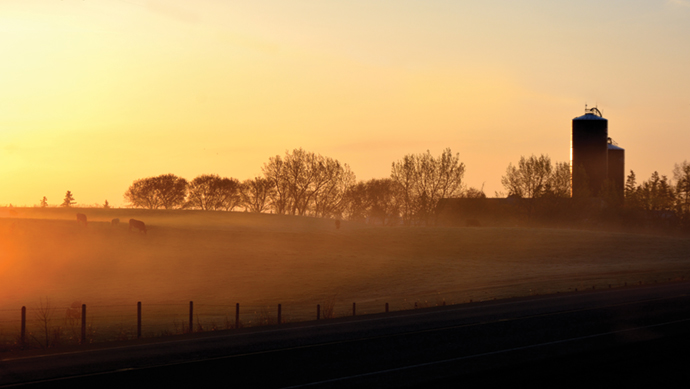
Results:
x,y
98,94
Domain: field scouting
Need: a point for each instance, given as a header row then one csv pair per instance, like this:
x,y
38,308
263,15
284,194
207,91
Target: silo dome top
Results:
x,y
589,116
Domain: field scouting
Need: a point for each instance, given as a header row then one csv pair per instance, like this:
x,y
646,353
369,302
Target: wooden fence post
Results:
x,y
353,309
23,335
386,307
139,320
83,324
237,315
191,317
318,311
279,309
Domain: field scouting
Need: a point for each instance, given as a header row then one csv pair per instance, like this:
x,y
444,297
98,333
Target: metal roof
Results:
x,y
589,116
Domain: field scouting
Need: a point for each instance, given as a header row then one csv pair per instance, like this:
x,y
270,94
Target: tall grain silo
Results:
x,y
589,153
616,167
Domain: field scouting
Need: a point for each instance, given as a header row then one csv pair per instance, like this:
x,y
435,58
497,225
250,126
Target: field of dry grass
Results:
x,y
217,259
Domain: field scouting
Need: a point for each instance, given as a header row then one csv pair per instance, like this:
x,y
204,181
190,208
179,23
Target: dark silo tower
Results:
x,y
616,167
589,153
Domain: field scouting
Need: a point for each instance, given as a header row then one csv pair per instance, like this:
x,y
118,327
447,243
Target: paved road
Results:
x,y
613,337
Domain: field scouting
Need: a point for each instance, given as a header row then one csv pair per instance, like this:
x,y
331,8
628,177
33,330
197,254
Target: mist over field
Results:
x,y
229,257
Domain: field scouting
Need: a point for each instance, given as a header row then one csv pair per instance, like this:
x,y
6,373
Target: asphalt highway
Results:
x,y
627,336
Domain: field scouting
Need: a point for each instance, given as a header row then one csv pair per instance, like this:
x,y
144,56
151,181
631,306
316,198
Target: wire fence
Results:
x,y
48,325
52,325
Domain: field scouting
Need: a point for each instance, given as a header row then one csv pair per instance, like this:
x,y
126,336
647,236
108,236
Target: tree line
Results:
x,y
661,196
658,201
309,184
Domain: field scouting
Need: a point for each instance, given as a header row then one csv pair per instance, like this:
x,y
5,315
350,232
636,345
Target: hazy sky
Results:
x,y
95,94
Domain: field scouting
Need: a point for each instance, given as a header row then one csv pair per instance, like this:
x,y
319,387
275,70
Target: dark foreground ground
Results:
x,y
633,336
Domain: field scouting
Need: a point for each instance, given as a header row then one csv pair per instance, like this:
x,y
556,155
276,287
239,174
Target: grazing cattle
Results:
x,y
81,219
137,224
114,222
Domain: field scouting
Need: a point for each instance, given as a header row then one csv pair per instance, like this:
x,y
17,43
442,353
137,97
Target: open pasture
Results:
x,y
217,259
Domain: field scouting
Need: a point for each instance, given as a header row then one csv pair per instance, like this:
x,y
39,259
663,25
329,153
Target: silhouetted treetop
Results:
x,y
165,191
68,201
424,179
306,183
211,192
256,193
535,177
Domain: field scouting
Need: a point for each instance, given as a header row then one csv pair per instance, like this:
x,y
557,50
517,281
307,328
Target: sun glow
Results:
x,y
97,94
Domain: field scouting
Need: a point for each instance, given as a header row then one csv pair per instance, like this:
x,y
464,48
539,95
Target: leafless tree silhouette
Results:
x,y
424,179
164,191
211,192
307,183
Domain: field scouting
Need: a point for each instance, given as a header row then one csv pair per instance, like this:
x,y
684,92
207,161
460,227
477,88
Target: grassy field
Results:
x,y
217,259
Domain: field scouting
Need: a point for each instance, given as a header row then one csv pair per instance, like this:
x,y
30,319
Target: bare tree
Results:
x,y
423,180
376,200
384,196
202,192
356,202
306,183
211,192
558,184
230,193
255,194
275,171
331,184
142,193
528,179
164,191
44,317
171,190
404,174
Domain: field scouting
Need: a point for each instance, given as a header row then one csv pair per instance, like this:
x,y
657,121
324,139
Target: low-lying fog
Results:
x,y
223,258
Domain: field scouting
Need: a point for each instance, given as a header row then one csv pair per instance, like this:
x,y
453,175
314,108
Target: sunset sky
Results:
x,y
95,94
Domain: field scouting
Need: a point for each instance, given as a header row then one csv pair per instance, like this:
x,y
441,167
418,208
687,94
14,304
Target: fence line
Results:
x,y
42,326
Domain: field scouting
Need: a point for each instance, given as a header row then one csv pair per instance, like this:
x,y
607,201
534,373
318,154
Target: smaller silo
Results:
x,y
616,167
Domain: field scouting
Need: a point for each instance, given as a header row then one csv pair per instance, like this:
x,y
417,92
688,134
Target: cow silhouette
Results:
x,y
81,219
138,225
114,222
